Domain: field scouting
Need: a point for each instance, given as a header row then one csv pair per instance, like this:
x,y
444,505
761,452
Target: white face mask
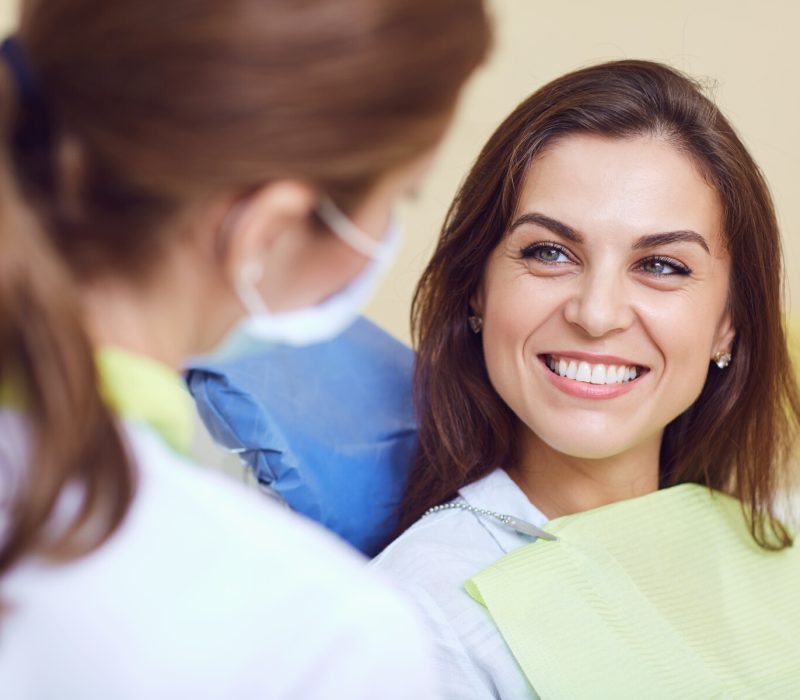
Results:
x,y
326,320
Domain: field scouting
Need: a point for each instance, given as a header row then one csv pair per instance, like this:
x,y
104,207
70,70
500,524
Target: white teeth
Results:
x,y
591,374
584,372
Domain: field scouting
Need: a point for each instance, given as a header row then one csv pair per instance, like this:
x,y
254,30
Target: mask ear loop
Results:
x,y
249,276
251,272
347,231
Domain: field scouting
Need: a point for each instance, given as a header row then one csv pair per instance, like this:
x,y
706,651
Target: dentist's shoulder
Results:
x,y
210,589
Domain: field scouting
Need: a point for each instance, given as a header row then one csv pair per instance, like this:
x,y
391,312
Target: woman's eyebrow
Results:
x,y
650,241
553,225
658,239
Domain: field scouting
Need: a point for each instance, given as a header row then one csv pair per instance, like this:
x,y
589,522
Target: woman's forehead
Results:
x,y
623,188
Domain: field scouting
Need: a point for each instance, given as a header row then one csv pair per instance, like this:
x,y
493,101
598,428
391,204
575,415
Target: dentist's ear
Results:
x,y
255,225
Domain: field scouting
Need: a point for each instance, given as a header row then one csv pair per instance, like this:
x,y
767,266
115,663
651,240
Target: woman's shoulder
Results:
x,y
462,537
449,542
432,560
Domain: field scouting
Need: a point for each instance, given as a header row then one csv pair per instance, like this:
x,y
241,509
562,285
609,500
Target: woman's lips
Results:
x,y
575,375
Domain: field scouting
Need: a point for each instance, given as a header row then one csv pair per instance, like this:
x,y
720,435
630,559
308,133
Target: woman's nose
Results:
x,y
600,304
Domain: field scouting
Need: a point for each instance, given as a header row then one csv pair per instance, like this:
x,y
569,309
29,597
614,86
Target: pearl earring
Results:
x,y
722,359
475,323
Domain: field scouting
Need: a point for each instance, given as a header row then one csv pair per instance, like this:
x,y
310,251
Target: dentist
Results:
x,y
170,170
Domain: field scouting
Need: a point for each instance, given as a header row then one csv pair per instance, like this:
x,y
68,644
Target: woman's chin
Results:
x,y
603,444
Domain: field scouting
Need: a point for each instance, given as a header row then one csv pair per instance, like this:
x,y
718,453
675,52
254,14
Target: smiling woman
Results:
x,y
618,292
601,353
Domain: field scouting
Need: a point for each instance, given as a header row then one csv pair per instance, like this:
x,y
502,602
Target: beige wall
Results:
x,y
748,48
7,15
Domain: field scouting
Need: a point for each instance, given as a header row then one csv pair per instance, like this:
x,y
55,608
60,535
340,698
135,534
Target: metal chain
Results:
x,y
521,526
505,519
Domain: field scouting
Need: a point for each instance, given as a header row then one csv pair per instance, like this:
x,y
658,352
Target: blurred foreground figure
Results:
x,y
169,170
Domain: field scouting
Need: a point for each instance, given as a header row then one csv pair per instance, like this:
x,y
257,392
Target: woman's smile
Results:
x,y
591,377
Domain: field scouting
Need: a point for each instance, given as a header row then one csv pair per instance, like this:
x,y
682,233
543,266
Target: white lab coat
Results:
x,y
206,591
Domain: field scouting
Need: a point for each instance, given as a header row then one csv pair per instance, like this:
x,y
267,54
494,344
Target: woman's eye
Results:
x,y
546,253
663,267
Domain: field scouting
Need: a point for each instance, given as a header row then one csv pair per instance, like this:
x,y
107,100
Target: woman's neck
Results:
x,y
559,484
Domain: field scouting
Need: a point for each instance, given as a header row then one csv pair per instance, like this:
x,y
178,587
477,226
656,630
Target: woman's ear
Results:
x,y
726,333
476,302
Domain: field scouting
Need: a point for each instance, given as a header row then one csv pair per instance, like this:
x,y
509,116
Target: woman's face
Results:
x,y
606,300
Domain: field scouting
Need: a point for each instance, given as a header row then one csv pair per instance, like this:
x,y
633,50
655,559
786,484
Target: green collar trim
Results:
x,y
141,389
10,395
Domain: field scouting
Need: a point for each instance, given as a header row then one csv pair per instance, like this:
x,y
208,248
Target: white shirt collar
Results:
x,y
498,492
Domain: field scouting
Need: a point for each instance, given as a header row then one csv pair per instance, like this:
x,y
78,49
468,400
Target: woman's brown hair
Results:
x,y
739,434
144,108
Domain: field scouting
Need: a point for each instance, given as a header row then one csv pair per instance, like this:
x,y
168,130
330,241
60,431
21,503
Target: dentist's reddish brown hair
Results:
x,y
740,434
155,105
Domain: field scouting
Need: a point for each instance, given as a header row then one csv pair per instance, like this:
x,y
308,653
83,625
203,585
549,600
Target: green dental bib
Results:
x,y
663,596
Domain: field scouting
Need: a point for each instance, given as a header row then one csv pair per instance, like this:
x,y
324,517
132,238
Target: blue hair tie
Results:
x,y
24,79
34,130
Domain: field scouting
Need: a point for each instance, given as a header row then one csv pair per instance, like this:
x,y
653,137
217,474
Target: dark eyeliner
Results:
x,y
529,250
680,269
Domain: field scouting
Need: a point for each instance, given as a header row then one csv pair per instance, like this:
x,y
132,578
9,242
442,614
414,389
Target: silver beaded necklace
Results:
x,y
521,526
